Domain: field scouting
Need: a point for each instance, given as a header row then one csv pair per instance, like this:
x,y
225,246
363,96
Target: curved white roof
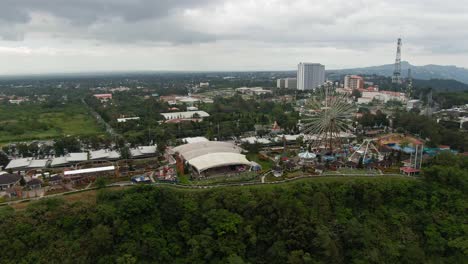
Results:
x,y
186,148
214,160
189,155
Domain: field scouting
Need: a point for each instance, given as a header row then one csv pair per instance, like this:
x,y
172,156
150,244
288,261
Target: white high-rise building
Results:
x,y
310,75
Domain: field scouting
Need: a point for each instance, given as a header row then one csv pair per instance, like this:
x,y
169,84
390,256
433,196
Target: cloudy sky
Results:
x,y
44,36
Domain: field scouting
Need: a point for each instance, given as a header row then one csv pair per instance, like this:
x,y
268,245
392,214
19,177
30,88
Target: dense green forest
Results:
x,y
450,99
325,220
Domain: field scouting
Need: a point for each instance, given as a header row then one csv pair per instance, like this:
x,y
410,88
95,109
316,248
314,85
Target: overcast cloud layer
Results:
x,y
40,36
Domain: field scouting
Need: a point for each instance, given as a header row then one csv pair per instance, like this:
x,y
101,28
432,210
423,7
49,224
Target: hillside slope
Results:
x,y
425,72
376,220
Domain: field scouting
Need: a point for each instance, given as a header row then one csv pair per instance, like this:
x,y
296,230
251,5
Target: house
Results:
x,y
34,184
55,180
319,169
8,181
409,171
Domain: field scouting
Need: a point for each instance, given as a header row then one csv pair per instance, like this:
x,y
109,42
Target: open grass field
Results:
x,y
266,164
34,121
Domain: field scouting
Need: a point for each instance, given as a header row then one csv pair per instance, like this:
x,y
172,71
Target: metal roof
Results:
x,y
184,115
214,160
18,163
9,178
38,163
76,157
89,170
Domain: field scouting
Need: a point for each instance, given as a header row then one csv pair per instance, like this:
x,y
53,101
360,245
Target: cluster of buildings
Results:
x,y
457,114
25,164
112,89
309,77
188,100
191,103
14,99
383,96
177,117
370,93
253,90
104,98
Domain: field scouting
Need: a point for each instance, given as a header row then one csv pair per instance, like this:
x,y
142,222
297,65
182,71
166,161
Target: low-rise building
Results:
x,y
185,116
8,181
253,90
125,119
413,104
383,96
26,164
103,97
204,84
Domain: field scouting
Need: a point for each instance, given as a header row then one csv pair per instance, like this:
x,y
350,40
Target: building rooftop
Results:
x,y
184,115
189,140
38,163
18,163
89,170
9,179
214,160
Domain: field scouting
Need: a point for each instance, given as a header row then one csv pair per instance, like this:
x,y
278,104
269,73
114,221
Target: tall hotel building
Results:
x,y
310,75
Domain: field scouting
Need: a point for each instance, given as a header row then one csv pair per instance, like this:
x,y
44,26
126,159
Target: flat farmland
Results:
x,y
35,121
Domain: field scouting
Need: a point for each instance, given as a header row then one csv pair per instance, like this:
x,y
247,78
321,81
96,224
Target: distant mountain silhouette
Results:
x,y
425,72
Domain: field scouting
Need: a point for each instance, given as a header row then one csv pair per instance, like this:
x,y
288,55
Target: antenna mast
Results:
x,y
397,72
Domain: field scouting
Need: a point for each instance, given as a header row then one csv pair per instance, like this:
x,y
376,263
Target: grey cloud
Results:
x,y
148,31
82,15
90,11
351,24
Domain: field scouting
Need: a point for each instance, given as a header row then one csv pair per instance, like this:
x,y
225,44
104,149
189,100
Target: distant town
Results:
x,y
67,134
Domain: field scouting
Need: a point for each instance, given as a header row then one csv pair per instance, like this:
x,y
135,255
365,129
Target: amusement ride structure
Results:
x,y
367,151
326,122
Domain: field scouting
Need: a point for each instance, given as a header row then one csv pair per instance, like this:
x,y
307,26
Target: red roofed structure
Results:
x,y
409,171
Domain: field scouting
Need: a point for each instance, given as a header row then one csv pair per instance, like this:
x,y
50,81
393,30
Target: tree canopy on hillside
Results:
x,y
382,220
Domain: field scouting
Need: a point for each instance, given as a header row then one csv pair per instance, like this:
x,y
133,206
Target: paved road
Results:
x,y
98,117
